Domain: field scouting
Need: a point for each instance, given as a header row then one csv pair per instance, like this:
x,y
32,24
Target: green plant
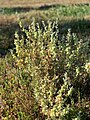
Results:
x,y
16,94
71,10
46,77
54,68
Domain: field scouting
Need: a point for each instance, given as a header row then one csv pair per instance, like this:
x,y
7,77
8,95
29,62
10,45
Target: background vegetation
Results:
x,y
45,64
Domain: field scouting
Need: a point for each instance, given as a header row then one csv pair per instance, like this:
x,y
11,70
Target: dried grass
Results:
x,y
35,3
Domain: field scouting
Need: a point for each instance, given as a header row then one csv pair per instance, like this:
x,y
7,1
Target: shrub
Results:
x,y
17,97
52,70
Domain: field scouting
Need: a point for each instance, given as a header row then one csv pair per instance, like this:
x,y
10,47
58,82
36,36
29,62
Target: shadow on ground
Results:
x,y
14,10
81,26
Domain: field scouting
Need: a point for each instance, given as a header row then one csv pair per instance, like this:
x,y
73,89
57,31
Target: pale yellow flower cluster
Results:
x,y
87,66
